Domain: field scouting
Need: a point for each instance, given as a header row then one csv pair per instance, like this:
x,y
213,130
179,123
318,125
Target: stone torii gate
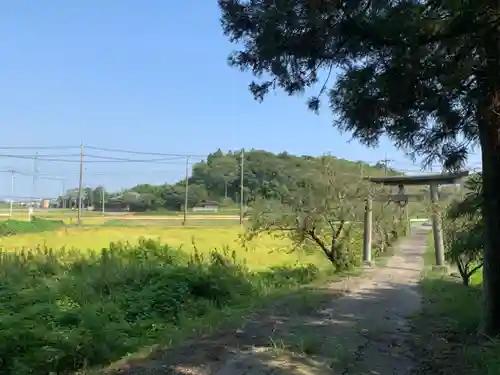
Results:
x,y
401,198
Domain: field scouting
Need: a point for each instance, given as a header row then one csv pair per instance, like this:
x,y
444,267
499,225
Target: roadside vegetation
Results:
x,y
64,310
449,333
35,225
448,337
83,297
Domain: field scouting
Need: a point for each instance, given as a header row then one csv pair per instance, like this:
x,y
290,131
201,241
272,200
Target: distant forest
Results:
x,y
265,175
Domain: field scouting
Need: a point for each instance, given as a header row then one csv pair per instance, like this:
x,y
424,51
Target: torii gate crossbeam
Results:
x,y
433,181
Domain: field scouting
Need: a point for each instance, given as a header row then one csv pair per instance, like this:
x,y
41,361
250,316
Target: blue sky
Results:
x,y
148,76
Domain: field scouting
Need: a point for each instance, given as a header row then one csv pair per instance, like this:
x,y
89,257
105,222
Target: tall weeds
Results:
x,y
65,309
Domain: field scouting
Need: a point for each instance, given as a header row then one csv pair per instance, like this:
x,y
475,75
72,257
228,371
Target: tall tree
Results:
x,y
321,213
225,170
97,196
424,73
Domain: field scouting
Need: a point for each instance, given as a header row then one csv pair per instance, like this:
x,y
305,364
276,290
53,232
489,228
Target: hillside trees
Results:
x,y
320,212
424,73
225,169
265,175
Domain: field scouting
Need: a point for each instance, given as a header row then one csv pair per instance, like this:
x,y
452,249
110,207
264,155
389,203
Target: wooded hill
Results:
x,y
266,175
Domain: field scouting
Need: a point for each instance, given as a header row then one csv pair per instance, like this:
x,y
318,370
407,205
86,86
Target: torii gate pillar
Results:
x,y
437,226
433,181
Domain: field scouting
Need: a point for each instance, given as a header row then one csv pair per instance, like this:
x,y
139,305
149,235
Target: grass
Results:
x,y
22,214
191,222
231,212
261,253
448,341
35,225
64,310
71,300
132,219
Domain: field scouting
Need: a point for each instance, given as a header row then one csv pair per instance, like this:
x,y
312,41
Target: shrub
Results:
x,y
464,241
13,227
387,229
464,230
66,309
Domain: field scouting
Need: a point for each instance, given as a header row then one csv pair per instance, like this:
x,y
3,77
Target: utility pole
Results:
x,y
102,200
63,194
241,185
386,164
186,192
33,186
80,188
12,182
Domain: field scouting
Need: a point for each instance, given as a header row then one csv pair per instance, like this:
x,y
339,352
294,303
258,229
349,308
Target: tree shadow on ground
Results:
x,y
311,331
446,336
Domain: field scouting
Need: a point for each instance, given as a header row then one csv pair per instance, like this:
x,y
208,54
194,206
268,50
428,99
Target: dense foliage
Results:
x,y
464,245
265,175
464,230
324,210
13,227
63,310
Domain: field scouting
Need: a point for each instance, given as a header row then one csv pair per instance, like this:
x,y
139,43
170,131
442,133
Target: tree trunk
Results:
x,y
491,211
489,135
466,280
225,189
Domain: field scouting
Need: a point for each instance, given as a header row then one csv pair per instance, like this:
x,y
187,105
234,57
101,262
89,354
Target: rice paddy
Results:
x,y
71,299
260,253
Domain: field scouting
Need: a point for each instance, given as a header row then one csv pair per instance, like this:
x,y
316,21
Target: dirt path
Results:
x,y
355,327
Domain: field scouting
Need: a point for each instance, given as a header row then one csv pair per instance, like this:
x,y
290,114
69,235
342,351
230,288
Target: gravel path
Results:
x,y
356,327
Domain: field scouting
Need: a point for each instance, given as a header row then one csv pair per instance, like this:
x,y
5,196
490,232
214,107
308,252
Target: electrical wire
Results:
x,y
143,152
38,147
131,172
166,158
112,158
152,161
37,157
3,196
104,159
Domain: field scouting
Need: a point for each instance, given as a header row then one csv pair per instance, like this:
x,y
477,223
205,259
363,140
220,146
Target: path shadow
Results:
x,y
312,331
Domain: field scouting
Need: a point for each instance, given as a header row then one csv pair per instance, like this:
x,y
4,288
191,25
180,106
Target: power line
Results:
x,y
142,152
41,176
25,197
28,157
37,147
37,155
112,158
103,159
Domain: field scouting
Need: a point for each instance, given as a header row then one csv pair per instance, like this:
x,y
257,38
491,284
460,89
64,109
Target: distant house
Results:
x,y
206,206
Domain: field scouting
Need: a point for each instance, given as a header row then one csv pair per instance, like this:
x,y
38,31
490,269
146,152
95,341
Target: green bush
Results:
x,y
464,242
66,309
387,229
13,227
446,331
